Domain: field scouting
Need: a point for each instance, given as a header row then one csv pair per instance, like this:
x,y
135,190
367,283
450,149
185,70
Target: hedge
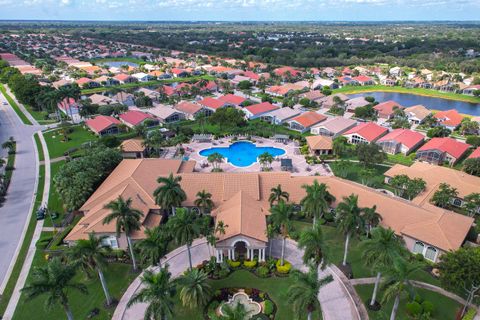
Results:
x,y
287,266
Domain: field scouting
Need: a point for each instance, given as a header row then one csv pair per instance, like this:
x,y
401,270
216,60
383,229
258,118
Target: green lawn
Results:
x,y
15,106
417,91
276,288
41,156
445,308
55,203
57,148
40,116
118,278
352,172
401,159
129,59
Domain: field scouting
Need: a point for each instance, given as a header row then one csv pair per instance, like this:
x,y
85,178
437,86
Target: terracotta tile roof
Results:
x,y
386,108
309,118
475,154
261,108
419,111
188,107
319,142
135,117
100,123
232,99
449,118
211,103
451,146
406,137
283,70
368,130
132,145
362,79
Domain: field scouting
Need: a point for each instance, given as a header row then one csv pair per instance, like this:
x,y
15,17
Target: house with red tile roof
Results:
x,y
367,132
179,73
385,110
232,100
168,90
401,141
441,150
364,80
103,125
475,154
209,86
284,71
87,83
134,118
257,110
305,121
211,104
450,119
189,109
124,78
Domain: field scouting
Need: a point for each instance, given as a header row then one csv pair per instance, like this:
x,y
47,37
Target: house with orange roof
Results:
x,y
364,80
287,71
133,118
87,83
441,150
133,149
366,132
125,78
103,125
305,121
449,119
211,104
258,110
401,141
320,145
189,109
385,110
232,100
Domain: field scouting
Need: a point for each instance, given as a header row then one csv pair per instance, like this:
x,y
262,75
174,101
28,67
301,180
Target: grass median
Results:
x,y
15,106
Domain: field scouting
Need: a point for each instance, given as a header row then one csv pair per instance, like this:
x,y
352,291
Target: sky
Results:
x,y
241,10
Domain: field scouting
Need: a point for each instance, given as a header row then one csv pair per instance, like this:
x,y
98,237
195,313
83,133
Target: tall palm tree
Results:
x,y
158,291
397,282
371,218
184,228
315,248
303,293
204,201
154,246
127,220
91,255
54,280
169,194
317,200
195,291
380,252
280,217
350,221
270,232
277,195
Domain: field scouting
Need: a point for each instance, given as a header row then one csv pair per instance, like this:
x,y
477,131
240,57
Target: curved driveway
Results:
x,y
337,303
16,209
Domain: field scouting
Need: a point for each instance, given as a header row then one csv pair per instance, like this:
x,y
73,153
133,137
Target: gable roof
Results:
x,y
475,154
211,103
135,117
387,107
451,146
406,137
100,123
418,111
368,130
259,108
309,118
232,99
132,145
449,117
319,142
188,107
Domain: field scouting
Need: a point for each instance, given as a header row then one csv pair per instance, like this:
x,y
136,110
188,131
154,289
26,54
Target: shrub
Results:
x,y
418,298
250,264
285,268
268,307
262,272
470,314
223,273
248,291
414,308
428,307
233,264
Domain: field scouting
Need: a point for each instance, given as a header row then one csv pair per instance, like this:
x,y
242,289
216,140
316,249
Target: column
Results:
x,y
229,254
248,253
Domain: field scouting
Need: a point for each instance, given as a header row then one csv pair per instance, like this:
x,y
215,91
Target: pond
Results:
x,y
118,64
408,100
243,153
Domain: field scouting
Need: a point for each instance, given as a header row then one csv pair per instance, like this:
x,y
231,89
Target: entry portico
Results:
x,y
245,225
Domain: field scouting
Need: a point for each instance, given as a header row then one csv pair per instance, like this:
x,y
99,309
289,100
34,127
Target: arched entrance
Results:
x,y
240,250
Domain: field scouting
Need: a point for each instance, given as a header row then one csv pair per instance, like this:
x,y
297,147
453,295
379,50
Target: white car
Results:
x,y
5,104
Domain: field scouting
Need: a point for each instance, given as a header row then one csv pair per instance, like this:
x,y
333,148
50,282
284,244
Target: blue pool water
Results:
x,y
242,154
118,64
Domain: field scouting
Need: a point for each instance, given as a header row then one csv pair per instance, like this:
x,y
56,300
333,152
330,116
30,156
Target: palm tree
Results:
x,y
350,221
169,194
317,200
280,218
380,252
215,159
184,228
315,248
204,201
237,312
195,291
154,246
277,195
397,283
158,291
265,159
303,293
55,281
270,233
371,218
91,255
127,221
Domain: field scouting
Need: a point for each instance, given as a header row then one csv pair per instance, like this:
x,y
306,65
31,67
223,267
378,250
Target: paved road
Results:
x,y
16,208
337,303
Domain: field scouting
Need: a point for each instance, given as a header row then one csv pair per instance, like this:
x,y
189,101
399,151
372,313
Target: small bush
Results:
x,y
248,291
428,307
223,273
414,308
268,307
285,268
233,264
418,298
262,272
250,264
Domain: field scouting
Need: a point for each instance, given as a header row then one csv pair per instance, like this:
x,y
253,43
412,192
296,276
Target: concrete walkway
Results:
x,y
337,303
12,304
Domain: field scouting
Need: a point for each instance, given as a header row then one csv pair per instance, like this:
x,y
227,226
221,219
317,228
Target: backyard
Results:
x,y
55,204
371,176
57,147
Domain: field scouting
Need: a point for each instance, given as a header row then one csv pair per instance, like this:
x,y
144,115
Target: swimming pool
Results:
x,y
243,153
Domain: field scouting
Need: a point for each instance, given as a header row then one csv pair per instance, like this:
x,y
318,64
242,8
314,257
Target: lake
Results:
x,y
408,100
118,64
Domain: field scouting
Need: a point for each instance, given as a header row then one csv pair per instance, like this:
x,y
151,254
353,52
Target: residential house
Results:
x,y
133,118
103,125
142,77
367,132
124,98
449,119
107,81
284,90
441,150
258,110
319,145
87,83
329,101
284,72
401,141
166,114
281,115
470,90
211,104
152,94
475,154
354,103
133,149
395,72
322,83
416,114
386,110
232,100
179,73
364,80
347,81
189,109
124,78
333,127
314,96
305,121
100,100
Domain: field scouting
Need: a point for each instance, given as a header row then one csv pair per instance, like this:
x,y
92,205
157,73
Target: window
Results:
x,y
113,243
431,253
418,247
457,202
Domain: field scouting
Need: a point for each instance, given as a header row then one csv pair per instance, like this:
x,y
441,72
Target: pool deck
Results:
x,y
300,166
